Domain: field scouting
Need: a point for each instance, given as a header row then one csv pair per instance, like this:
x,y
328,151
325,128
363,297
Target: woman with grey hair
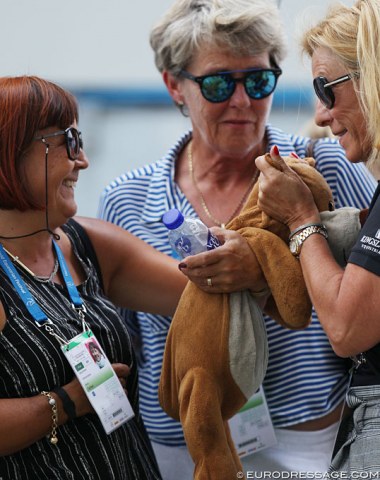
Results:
x,y
344,49
220,61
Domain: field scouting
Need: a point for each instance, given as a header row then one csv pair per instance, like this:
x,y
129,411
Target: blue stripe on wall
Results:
x,y
285,97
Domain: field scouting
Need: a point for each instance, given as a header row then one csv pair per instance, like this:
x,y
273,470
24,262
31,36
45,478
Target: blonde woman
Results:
x,y
344,49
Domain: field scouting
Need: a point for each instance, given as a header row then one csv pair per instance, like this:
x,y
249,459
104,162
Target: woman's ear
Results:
x,y
174,87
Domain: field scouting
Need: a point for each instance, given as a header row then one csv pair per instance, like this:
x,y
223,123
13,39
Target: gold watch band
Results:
x,y
297,239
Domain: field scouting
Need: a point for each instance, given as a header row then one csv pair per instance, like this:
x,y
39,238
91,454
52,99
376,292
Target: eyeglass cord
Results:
x,y
47,229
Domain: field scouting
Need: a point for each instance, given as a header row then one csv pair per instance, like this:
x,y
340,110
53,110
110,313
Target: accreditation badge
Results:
x,y
99,380
251,428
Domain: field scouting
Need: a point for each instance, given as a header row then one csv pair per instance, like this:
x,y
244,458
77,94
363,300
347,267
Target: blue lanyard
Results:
x,y
70,285
35,311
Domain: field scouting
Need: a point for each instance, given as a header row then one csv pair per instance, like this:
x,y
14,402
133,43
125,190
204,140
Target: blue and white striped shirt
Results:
x,y
305,379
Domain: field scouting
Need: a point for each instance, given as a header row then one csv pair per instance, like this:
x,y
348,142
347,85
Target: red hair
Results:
x,y
27,104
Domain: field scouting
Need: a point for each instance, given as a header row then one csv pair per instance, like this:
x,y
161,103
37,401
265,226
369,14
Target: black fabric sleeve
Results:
x,y
366,252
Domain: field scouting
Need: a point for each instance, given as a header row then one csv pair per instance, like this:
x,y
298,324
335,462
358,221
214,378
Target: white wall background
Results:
x,y
87,44
105,42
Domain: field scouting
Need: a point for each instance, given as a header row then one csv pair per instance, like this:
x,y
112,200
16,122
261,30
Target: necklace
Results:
x,y
36,277
203,202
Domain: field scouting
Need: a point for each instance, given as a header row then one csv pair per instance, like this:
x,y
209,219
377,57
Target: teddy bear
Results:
x,y
216,350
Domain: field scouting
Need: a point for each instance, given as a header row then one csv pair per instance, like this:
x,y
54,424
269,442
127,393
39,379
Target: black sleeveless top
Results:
x,y
366,253
31,361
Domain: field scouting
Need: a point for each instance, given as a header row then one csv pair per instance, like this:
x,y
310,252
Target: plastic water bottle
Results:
x,y
187,235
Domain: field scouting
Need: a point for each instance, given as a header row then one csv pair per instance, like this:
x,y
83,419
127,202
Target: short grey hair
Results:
x,y
245,27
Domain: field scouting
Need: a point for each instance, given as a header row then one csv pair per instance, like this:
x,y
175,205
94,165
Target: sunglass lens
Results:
x,y
80,141
73,143
260,84
217,88
325,95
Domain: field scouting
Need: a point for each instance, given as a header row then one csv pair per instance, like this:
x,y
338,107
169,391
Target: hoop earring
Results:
x,y
182,108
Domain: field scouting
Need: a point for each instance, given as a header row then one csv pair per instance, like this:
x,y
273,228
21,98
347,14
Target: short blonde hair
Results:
x,y
245,27
353,35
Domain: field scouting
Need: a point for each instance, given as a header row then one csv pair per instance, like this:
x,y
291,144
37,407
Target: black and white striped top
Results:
x,y
31,361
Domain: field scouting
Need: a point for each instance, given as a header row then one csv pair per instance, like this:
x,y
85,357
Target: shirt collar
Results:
x,y
163,192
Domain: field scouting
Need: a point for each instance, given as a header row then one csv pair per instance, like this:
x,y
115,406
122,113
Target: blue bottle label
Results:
x,y
212,242
183,246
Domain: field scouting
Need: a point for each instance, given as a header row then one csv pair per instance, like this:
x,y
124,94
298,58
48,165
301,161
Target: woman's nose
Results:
x,y
240,97
322,115
82,160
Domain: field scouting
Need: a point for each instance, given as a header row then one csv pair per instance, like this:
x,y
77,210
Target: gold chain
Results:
x,y
54,417
203,202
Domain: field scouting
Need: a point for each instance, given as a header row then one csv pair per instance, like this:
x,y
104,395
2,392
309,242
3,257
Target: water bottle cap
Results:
x,y
172,218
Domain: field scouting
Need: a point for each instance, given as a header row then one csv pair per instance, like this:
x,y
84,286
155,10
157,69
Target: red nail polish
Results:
x,y
294,155
276,151
182,265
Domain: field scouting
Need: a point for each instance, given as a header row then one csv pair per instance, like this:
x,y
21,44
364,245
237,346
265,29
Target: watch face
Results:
x,y
293,246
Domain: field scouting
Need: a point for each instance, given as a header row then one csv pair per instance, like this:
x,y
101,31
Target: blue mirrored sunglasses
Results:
x,y
73,140
219,87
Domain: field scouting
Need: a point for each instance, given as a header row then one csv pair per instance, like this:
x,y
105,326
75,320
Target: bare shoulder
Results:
x,y
102,234
113,245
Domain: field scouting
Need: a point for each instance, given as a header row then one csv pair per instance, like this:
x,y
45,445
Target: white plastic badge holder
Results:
x,y
99,380
251,428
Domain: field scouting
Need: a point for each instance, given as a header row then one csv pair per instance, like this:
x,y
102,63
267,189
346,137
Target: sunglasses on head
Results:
x,y
219,87
324,89
73,140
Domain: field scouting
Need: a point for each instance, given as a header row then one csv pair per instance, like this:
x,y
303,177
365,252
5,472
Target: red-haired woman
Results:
x,y
56,434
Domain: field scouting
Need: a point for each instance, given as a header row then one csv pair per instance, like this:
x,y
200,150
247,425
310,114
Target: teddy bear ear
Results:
x,y
310,161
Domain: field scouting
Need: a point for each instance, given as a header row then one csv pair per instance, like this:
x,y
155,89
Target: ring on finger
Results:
x,y
209,282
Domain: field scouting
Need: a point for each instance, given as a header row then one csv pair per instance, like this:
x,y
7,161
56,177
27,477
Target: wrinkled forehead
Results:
x,y
324,63
214,58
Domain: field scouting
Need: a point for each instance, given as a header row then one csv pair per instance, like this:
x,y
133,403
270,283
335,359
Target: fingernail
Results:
x,y
276,151
294,155
182,265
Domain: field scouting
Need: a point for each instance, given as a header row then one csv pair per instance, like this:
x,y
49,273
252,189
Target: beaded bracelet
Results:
x,y
54,417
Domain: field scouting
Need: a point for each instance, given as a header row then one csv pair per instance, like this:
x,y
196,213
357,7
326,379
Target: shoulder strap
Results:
x,y
88,247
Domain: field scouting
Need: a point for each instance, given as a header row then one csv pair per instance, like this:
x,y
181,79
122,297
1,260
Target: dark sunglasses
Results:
x,y
219,87
73,139
324,89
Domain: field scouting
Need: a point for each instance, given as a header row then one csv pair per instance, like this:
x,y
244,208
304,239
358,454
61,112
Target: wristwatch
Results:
x,y
296,240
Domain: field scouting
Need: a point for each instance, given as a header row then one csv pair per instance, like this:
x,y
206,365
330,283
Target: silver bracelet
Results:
x,y
54,417
302,227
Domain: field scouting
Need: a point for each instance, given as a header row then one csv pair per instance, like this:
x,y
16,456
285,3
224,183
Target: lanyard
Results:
x,y
34,309
76,300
